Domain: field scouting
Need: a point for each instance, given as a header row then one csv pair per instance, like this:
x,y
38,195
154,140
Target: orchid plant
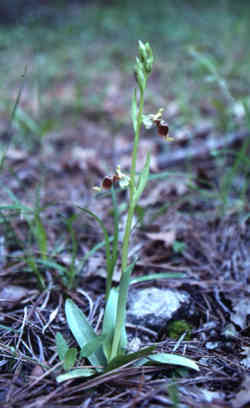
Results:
x,y
108,350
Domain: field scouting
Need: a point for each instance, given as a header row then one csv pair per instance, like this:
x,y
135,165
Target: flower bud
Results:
x,y
146,56
140,75
142,52
149,59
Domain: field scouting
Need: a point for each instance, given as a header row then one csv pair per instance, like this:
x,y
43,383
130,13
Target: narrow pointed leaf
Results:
x,y
52,264
173,359
77,373
124,359
152,276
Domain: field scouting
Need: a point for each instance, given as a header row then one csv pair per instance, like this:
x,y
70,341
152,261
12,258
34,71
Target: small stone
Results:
x,y
134,345
213,345
11,295
154,307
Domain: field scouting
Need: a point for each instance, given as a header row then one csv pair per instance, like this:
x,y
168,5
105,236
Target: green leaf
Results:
x,y
173,359
143,179
92,252
77,373
152,276
109,320
140,75
83,332
61,346
91,347
13,113
119,340
134,110
71,272
166,174
18,205
24,120
124,359
31,261
179,246
206,61
40,235
70,358
52,264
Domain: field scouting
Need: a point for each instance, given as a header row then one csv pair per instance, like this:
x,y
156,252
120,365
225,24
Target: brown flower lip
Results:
x,y
107,183
162,127
110,181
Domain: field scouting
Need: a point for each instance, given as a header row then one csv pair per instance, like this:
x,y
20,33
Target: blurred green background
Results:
x,y
85,43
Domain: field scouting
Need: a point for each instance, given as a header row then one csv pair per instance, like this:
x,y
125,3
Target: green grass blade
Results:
x,y
165,174
17,203
152,276
24,120
15,207
40,236
83,333
13,112
93,251
52,264
173,359
122,360
71,272
31,261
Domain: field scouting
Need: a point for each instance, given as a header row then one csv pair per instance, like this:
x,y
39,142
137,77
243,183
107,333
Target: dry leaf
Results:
x,y
168,237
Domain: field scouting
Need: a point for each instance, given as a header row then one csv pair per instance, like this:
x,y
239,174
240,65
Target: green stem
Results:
x,y
113,259
132,187
120,318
